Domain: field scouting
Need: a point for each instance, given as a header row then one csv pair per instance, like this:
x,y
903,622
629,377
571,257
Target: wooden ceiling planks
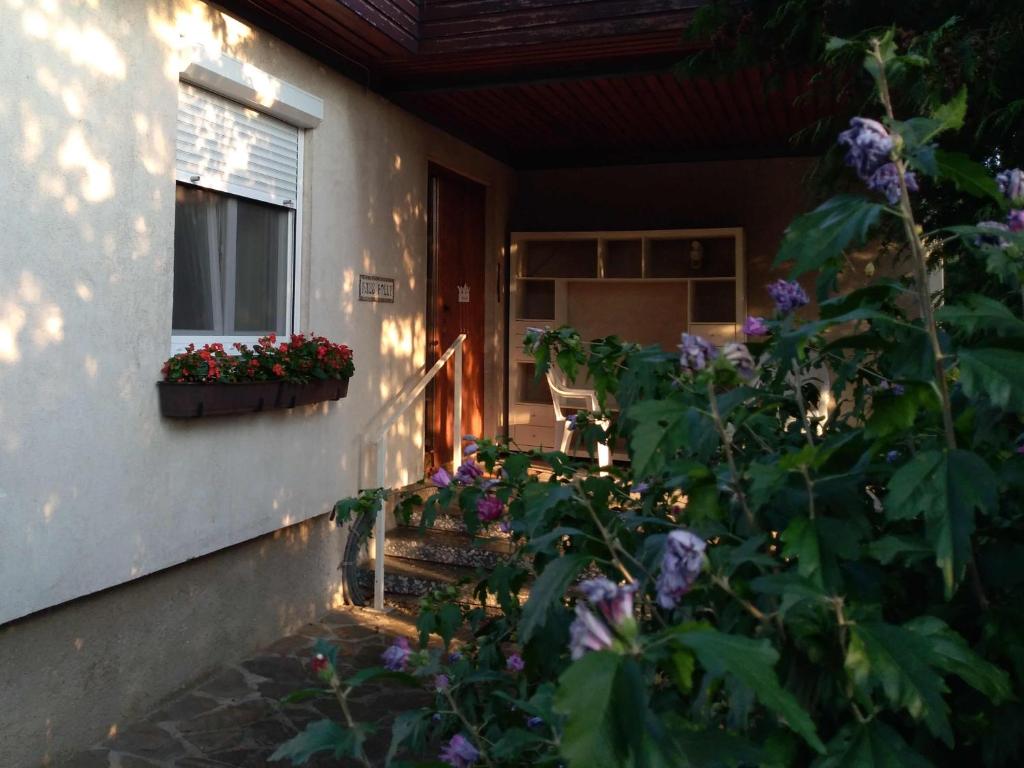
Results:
x,y
552,82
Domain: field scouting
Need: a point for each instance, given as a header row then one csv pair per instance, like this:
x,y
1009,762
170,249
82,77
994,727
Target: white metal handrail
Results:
x,y
377,436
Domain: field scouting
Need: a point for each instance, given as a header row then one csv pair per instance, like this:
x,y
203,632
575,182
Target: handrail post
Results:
x,y
378,543
457,416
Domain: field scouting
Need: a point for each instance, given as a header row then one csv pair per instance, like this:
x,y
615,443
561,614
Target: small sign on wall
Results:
x,y
373,288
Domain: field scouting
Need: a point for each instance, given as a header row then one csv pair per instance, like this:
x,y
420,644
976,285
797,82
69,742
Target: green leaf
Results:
x,y
975,313
950,653
886,549
824,233
946,487
870,745
951,114
305,694
800,540
656,433
409,729
752,663
547,593
996,372
592,737
968,176
894,659
321,736
375,674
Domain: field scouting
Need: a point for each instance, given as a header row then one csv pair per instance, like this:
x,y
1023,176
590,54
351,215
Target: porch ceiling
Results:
x,y
542,83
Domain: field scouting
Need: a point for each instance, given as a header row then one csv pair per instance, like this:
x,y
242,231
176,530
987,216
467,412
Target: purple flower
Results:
x,y
680,566
454,656
1020,449
1015,221
868,144
892,457
641,488
468,472
787,295
740,357
515,663
470,449
570,422
587,633
899,390
991,238
469,438
755,326
397,655
441,683
489,508
460,752
441,478
887,181
534,722
613,601
1011,184
696,353
505,526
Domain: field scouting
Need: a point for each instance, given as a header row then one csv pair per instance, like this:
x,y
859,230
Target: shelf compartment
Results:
x,y
623,258
536,300
530,389
559,258
714,301
671,257
641,312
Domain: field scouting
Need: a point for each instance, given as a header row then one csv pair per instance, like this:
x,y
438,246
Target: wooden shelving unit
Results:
x,y
645,286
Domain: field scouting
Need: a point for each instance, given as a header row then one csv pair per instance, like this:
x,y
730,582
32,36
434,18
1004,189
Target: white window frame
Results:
x,y
230,79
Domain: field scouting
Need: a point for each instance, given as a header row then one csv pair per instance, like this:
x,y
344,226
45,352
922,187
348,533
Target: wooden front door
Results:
x,y
455,304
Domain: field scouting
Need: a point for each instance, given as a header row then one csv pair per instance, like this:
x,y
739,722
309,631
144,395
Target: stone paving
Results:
x,y
236,718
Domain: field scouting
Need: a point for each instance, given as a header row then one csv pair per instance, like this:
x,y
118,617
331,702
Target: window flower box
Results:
x,y
210,382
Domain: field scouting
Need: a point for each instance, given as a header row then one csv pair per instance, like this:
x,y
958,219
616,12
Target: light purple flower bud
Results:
x,y
868,144
489,508
755,326
892,457
680,566
642,487
787,295
468,472
740,357
441,478
460,752
470,449
587,633
534,722
505,526
469,438
992,238
570,422
613,601
454,656
514,662
887,181
695,353
397,655
441,682
1011,184
1015,221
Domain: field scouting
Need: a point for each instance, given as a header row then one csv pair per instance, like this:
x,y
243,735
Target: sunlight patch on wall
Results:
x,y
191,23
154,149
84,45
12,320
97,182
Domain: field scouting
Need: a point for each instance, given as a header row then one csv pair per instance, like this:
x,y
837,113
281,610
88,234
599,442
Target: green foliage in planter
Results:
x,y
816,555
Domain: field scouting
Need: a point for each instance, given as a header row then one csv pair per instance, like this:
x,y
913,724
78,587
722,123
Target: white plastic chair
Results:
x,y
564,396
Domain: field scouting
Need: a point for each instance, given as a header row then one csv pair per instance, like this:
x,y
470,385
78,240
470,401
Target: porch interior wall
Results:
x,y
96,489
762,196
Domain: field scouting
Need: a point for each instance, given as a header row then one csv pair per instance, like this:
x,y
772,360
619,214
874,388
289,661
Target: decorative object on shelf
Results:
x,y
210,382
696,255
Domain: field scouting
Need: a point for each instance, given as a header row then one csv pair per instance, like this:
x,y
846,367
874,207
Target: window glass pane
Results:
x,y
199,230
261,268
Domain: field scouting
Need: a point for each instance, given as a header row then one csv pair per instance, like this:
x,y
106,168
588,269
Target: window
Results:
x,y
235,221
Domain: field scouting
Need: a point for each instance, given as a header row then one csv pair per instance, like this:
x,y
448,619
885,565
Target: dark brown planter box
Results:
x,y
311,392
191,400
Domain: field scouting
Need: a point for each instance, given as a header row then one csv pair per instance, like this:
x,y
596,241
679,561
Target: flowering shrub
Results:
x,y
300,359
769,582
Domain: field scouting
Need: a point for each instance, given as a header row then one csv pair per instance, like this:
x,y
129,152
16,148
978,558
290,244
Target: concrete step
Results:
x,y
447,547
417,578
450,519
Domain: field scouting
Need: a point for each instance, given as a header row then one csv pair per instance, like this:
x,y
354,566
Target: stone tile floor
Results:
x,y
236,718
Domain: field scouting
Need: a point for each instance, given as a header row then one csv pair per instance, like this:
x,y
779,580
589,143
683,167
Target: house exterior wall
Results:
x,y
762,196
96,489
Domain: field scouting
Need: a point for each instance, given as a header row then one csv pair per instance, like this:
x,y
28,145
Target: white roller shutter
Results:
x,y
235,149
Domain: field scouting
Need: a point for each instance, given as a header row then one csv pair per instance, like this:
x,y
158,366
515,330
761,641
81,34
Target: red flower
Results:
x,y
278,370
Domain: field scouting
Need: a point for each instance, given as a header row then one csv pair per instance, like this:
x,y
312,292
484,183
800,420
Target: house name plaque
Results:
x,y
373,288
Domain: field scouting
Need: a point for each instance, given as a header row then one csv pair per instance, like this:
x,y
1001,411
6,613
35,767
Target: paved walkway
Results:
x,y
236,718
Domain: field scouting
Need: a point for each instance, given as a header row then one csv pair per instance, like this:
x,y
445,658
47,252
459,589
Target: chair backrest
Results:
x,y
564,396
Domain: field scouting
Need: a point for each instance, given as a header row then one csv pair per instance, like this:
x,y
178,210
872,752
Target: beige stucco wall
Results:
x,y
95,488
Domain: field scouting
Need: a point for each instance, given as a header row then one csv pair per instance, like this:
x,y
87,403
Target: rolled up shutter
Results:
x,y
223,145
